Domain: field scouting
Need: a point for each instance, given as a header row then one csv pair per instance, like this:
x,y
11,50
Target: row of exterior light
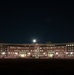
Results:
x,y
65,52
3,53
69,52
70,45
22,55
17,53
45,54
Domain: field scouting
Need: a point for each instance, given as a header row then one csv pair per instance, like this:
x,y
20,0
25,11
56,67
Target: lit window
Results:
x,y
16,53
3,53
47,47
12,52
51,47
56,53
67,45
8,52
62,47
22,55
32,55
68,55
71,53
40,48
44,53
72,44
29,53
37,48
10,47
66,52
31,50
19,47
38,55
50,55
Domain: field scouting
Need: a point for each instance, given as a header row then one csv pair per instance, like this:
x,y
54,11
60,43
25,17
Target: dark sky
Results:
x,y
21,22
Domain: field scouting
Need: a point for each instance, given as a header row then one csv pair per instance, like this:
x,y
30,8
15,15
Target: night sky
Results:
x,y
21,22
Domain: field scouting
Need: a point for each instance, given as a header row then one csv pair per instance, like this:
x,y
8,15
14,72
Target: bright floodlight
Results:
x,y
3,53
50,55
22,55
29,53
34,40
71,53
56,53
16,53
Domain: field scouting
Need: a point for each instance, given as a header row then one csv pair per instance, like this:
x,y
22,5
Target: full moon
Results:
x,y
34,40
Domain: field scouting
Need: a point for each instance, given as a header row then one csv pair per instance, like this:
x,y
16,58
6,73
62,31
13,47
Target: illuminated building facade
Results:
x,y
37,51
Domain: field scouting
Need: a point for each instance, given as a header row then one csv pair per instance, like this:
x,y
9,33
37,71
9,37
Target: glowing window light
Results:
x,y
67,45
16,53
22,55
44,53
62,47
42,50
29,53
71,53
56,53
50,55
3,53
38,55
72,44
31,50
66,52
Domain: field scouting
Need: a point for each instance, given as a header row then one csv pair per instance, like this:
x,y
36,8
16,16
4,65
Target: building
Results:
x,y
37,51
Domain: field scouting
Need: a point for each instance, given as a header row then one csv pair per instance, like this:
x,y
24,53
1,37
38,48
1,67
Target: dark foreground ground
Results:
x,y
37,65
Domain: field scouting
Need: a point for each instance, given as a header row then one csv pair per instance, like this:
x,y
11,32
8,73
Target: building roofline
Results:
x,y
34,44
